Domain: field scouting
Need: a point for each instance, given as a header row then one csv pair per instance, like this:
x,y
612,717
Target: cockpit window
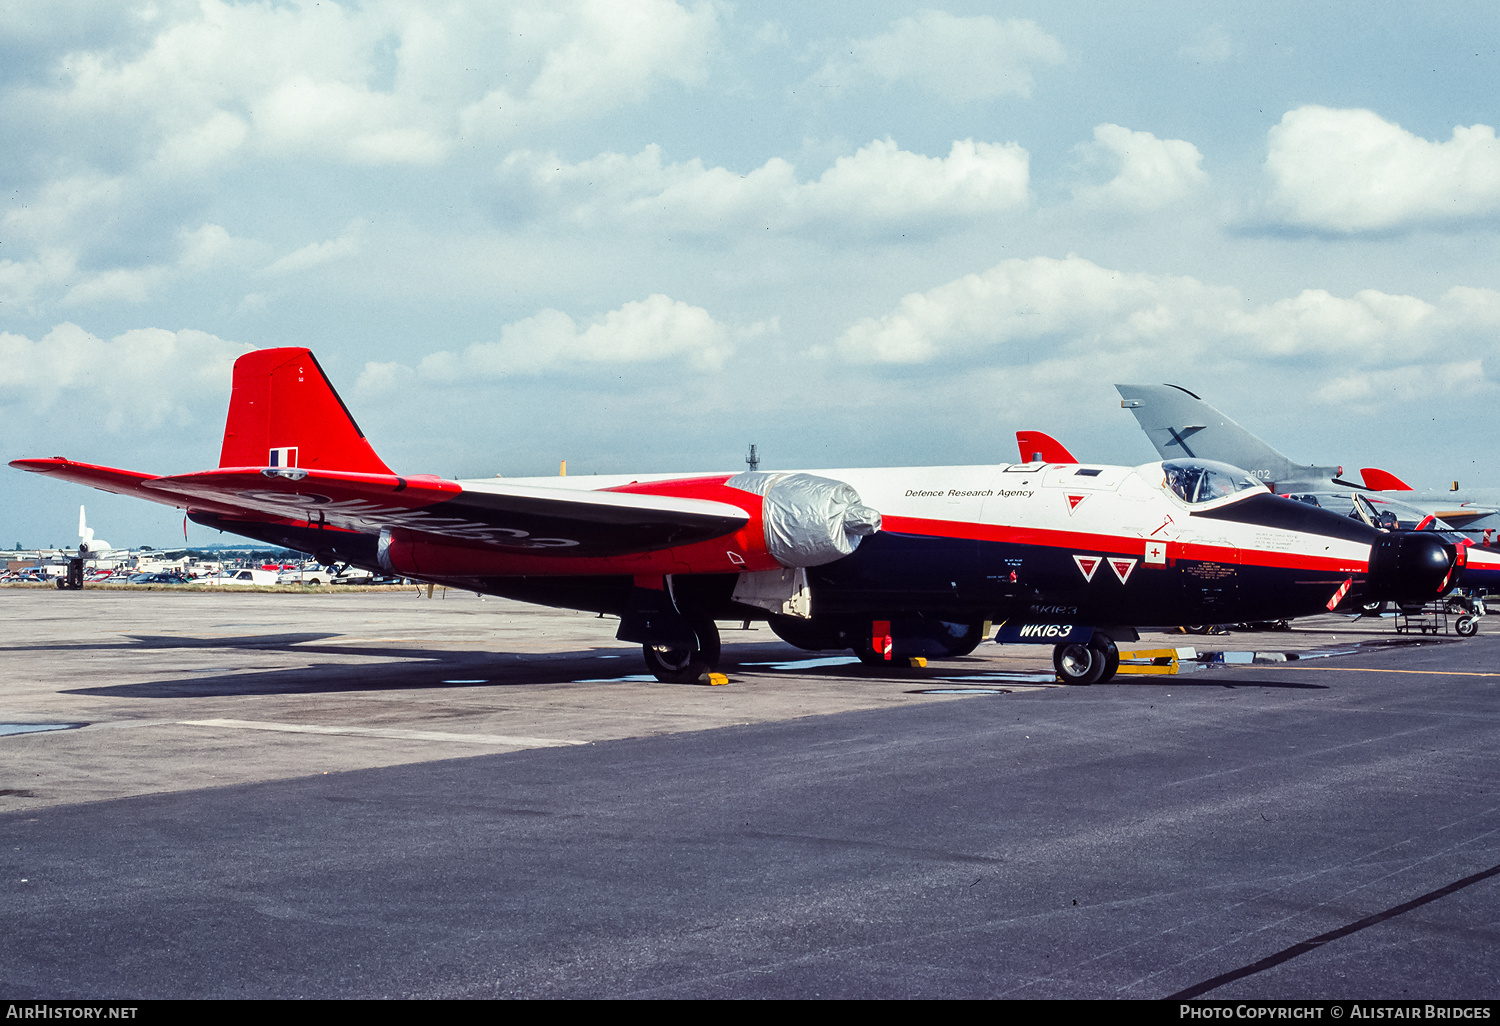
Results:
x,y
1199,481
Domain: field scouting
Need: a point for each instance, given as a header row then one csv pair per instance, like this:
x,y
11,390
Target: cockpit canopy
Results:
x,y
1198,481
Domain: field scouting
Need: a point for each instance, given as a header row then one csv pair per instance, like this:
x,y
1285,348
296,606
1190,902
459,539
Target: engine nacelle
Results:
x,y
809,520
1410,566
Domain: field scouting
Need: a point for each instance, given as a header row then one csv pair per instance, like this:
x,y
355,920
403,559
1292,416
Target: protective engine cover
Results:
x,y
809,520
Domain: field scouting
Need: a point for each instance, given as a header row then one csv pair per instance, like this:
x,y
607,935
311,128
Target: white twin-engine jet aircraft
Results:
x,y
90,547
892,563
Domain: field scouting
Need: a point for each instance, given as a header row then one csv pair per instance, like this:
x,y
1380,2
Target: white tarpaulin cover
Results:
x,y
809,520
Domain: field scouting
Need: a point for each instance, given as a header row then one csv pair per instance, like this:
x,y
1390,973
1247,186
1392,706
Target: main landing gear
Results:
x,y
942,640
1088,662
681,665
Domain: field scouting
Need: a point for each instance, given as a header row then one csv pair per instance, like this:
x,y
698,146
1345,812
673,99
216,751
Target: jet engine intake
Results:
x,y
809,520
1410,566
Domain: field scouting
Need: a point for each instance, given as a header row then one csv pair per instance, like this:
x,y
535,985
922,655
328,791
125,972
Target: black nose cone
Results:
x,y
1409,566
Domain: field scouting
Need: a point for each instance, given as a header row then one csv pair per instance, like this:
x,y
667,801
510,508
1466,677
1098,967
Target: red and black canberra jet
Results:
x,y
892,563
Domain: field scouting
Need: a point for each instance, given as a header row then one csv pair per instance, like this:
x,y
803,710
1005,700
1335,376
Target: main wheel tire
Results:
x,y
674,665
1078,664
865,650
805,634
1107,648
968,642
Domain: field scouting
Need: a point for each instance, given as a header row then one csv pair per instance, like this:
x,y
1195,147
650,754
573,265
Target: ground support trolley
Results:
x,y
1452,615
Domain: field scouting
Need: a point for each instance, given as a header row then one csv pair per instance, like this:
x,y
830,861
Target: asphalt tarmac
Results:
x,y
385,796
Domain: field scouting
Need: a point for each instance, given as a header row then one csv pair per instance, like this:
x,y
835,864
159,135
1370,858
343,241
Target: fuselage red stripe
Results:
x,y
1116,544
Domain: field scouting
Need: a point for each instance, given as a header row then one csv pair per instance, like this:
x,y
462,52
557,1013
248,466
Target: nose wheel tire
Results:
x,y
1090,663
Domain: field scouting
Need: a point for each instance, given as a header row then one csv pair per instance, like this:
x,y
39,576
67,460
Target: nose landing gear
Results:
x,y
1090,662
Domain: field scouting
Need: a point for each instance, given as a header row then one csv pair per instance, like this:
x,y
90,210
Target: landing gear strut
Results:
x,y
1088,662
674,665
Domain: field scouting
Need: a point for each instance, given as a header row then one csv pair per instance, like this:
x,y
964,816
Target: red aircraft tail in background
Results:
x,y
283,412
1039,447
1383,480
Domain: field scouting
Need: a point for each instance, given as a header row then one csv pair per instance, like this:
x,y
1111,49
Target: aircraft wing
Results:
x,y
111,479
1463,517
520,518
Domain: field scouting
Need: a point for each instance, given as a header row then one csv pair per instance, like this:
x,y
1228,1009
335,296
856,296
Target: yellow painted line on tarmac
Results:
x,y
1356,669
391,733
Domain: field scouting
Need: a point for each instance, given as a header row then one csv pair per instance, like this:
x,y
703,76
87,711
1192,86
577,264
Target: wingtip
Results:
x,y
40,465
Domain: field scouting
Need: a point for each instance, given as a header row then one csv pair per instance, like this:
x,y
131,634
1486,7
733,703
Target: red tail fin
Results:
x,y
1383,480
284,413
1039,444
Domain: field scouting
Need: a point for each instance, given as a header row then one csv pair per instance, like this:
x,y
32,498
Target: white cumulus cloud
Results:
x,y
1150,173
199,251
23,282
1086,320
303,115
375,83
649,331
592,57
878,186
958,59
314,253
1414,384
1352,171
139,381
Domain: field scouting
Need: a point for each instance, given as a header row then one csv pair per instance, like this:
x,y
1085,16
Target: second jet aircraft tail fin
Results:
x,y
1181,424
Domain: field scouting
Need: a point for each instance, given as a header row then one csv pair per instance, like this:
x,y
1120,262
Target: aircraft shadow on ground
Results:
x,y
342,678
413,668
255,641
403,669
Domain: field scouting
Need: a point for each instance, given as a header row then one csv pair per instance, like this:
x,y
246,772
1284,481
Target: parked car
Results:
x,y
307,575
240,578
156,579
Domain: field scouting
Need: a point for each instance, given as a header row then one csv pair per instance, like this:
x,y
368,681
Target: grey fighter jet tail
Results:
x,y
1180,424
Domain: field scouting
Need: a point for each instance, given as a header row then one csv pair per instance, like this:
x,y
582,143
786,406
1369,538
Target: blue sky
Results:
x,y
638,234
